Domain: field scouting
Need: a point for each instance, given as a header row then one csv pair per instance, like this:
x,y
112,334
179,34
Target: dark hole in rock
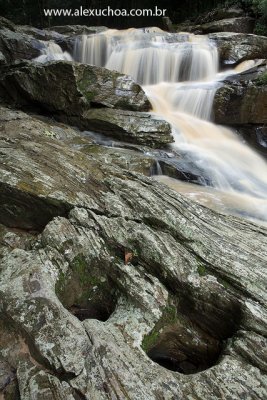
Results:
x,y
185,348
100,312
86,291
179,343
22,210
183,168
184,367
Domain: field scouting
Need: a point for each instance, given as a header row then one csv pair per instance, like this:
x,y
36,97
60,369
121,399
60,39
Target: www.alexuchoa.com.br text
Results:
x,y
104,12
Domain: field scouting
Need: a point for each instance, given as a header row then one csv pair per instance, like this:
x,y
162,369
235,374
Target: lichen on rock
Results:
x,y
96,326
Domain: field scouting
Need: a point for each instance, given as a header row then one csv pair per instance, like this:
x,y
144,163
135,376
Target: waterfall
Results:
x,y
149,57
180,75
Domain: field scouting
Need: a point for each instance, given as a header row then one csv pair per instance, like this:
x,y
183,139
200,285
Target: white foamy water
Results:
x,y
179,73
53,52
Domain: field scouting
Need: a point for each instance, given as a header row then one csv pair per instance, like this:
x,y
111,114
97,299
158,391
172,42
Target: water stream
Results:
x,y
180,75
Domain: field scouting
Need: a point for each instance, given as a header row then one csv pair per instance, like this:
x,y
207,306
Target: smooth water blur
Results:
x,y
149,56
179,73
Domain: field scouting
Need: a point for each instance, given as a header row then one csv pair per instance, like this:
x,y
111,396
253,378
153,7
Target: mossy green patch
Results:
x,y
225,284
79,267
89,95
81,285
60,284
85,83
85,279
201,269
169,317
93,149
150,340
262,79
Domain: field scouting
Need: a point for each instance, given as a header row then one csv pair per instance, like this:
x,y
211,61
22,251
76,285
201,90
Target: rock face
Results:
x,y
243,99
17,46
77,90
126,289
239,25
220,13
235,47
7,24
40,34
235,104
255,135
231,19
74,87
141,128
2,59
71,30
241,103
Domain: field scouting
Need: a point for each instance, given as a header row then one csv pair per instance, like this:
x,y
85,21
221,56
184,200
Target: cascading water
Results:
x,y
179,73
53,52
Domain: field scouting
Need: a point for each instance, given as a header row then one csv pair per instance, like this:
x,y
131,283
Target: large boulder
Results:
x,y
71,30
137,127
7,24
221,19
74,87
239,25
235,104
237,47
242,99
19,46
40,34
132,292
77,90
219,13
255,135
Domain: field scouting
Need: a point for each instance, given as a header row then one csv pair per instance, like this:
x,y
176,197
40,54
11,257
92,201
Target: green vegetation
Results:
x,y
86,281
260,6
225,284
60,284
201,269
169,317
254,8
150,340
78,283
262,79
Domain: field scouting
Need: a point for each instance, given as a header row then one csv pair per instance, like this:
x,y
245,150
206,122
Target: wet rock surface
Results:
x,y
237,47
255,135
239,25
241,105
132,292
140,128
18,46
75,86
243,98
